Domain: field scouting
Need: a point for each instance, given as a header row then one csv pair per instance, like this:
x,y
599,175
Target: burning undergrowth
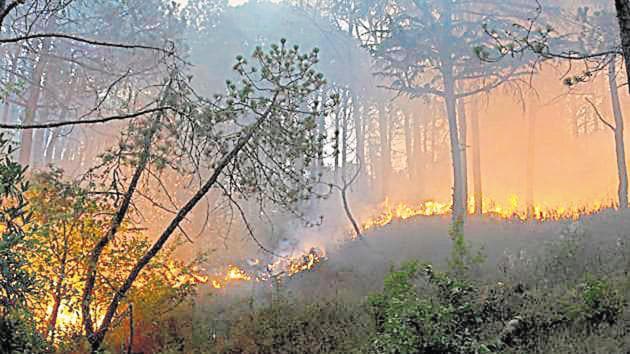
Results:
x,y
282,266
294,256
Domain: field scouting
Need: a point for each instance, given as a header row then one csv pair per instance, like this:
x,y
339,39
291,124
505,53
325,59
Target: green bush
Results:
x,y
18,335
451,321
597,302
283,327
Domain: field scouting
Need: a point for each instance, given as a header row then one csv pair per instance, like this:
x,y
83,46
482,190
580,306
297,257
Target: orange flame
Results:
x,y
284,267
233,273
513,210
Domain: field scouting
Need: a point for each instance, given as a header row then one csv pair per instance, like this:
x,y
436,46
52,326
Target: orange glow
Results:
x,y
293,265
283,267
233,273
67,320
512,210
178,278
402,211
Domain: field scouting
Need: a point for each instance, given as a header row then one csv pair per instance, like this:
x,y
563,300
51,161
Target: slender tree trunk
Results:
x,y
408,144
345,118
459,208
418,142
7,104
623,16
386,154
51,147
622,170
434,138
346,208
38,148
58,292
337,140
530,161
96,337
131,330
463,141
476,152
52,322
360,138
26,143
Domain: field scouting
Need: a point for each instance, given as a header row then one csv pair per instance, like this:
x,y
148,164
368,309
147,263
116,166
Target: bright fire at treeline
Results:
x,y
513,211
389,212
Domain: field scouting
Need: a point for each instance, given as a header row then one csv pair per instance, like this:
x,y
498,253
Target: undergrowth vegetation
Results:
x,y
571,297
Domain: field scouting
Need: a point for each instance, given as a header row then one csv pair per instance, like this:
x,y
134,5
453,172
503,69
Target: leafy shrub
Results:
x,y
15,280
450,322
599,302
18,335
464,259
329,327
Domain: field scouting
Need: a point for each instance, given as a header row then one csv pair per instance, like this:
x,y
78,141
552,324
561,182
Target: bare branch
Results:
x,y
599,115
46,125
94,42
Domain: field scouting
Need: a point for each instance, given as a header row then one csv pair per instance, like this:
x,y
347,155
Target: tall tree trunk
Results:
x,y
360,138
530,161
345,121
463,141
623,16
51,147
337,140
476,152
408,144
26,143
7,104
38,148
434,137
58,292
620,150
52,322
96,337
386,153
418,142
459,208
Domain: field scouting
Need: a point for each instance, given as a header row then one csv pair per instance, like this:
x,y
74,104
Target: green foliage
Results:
x,y
15,280
449,322
10,88
66,222
463,258
421,310
18,334
283,327
598,302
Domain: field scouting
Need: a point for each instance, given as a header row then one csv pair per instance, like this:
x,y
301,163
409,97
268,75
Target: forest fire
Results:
x,y
514,210
389,212
178,276
283,267
293,265
402,211
233,273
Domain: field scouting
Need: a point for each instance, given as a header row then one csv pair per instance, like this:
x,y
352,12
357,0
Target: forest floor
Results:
x,y
537,287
